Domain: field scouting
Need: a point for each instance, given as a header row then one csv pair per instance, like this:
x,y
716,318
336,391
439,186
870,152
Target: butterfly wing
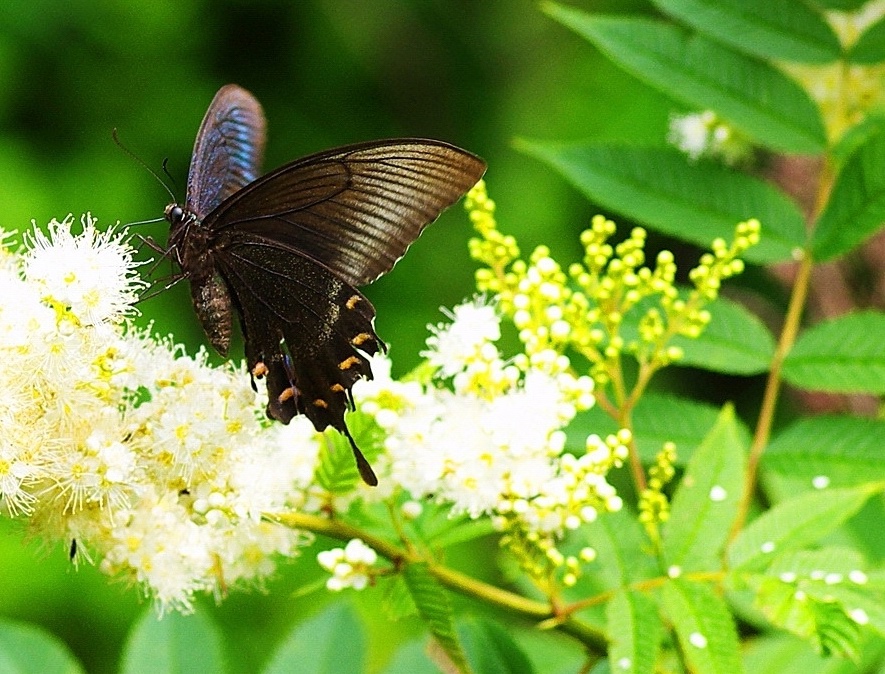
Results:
x,y
228,151
355,209
305,329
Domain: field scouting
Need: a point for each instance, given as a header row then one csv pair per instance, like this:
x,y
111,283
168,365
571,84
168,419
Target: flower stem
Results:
x,y
589,636
773,387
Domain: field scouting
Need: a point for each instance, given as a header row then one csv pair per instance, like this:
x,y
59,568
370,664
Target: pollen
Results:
x,y
353,301
348,363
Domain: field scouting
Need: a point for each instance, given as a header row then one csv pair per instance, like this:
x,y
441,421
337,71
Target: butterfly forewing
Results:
x,y
355,209
228,151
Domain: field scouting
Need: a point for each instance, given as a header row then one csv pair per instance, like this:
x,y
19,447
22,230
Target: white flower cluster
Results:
x,y
162,468
349,566
492,443
704,134
151,461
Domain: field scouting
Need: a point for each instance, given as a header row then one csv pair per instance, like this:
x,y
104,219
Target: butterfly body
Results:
x,y
286,251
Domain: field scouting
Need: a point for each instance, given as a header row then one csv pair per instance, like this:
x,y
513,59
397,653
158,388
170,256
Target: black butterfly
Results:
x,y
285,251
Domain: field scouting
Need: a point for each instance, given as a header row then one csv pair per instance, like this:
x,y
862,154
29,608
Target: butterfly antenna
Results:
x,y
143,164
362,464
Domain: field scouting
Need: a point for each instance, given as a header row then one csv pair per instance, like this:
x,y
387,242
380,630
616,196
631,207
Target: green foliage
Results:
x,y
25,649
333,641
843,355
174,644
776,30
636,632
705,504
856,208
695,202
435,608
752,94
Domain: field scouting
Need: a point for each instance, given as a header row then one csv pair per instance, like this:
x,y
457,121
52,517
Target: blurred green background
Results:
x,y
328,72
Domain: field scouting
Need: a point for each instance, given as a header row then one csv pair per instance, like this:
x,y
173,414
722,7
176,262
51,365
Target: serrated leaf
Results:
x,y
329,643
842,355
398,602
870,46
756,97
659,418
841,450
818,565
491,649
173,644
734,342
435,608
336,470
635,632
824,624
794,524
695,202
622,550
705,504
26,648
777,29
704,625
856,208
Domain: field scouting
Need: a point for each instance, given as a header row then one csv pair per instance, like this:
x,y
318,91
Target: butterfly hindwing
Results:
x,y
309,329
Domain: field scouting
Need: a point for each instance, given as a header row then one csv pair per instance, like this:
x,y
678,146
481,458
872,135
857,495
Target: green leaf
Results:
x,y
337,472
397,601
695,202
411,659
705,504
785,654
756,97
435,608
814,566
25,648
776,29
856,208
794,524
635,632
843,355
659,418
870,47
824,623
328,643
734,342
622,550
704,625
171,644
491,649
841,5
841,450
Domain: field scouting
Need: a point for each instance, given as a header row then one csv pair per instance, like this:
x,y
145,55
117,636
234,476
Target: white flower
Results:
x,y
155,462
92,273
453,347
349,566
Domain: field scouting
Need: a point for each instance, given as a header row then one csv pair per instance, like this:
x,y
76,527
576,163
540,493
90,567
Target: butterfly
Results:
x,y
286,251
